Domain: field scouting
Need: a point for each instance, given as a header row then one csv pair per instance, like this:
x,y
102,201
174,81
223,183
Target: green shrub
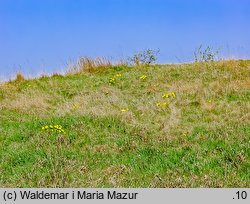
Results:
x,y
146,57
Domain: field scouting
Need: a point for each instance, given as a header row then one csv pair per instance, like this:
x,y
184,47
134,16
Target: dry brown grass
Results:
x,y
87,64
32,102
8,87
94,103
19,77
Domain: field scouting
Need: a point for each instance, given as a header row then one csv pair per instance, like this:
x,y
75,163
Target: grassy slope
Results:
x,y
201,139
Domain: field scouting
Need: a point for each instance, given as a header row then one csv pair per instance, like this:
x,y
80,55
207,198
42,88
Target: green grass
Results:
x,y
200,139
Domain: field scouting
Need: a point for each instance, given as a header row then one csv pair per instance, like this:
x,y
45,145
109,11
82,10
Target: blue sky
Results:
x,y
44,35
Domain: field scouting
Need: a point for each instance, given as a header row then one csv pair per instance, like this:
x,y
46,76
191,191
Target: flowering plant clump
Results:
x,y
120,108
53,128
162,104
75,106
168,95
118,75
112,80
124,110
143,77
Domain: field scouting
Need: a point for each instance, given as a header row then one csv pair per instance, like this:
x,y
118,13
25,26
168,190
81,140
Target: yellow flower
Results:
x,y
75,106
209,101
106,93
143,77
118,75
165,96
111,81
53,128
164,104
161,104
124,109
158,104
173,94
170,94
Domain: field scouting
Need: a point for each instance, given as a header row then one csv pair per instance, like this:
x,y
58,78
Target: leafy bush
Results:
x,y
145,57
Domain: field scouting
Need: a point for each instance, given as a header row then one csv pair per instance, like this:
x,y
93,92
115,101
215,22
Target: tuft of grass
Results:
x,y
19,77
87,64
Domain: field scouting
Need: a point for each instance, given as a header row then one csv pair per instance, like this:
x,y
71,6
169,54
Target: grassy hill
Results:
x,y
182,125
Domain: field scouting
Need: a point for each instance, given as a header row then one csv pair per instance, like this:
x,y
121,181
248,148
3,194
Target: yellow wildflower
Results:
x,y
173,94
118,75
143,77
165,96
124,109
170,94
161,104
111,81
53,128
164,104
158,104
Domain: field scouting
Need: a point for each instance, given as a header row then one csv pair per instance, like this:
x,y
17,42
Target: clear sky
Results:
x,y
43,35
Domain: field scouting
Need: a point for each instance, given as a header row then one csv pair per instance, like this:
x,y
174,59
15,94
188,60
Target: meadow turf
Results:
x,y
122,133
